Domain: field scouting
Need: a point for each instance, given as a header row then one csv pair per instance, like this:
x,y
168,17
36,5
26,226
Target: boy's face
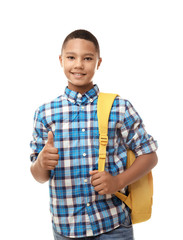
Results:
x,y
80,60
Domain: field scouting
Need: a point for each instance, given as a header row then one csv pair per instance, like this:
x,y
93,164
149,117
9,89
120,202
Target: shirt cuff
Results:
x,y
146,148
33,157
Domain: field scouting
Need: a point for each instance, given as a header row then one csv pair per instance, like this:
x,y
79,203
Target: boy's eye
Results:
x,y
88,58
70,57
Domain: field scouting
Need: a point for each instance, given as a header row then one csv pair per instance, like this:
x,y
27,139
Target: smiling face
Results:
x,y
80,60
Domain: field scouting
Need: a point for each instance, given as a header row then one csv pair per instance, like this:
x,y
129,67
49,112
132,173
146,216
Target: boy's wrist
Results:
x,y
38,172
121,181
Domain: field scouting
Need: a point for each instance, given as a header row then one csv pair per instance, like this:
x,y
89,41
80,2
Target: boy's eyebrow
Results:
x,y
73,53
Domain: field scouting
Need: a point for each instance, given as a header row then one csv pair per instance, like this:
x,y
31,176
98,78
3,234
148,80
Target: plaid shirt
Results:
x,y
76,209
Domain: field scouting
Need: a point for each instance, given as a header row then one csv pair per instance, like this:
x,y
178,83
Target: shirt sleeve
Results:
x,y
39,136
134,134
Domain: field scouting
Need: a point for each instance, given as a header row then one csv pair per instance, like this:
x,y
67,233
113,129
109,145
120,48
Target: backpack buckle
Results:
x,y
103,140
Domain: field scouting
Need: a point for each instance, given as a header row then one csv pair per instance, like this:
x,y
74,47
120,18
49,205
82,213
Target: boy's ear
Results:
x,y
61,61
99,62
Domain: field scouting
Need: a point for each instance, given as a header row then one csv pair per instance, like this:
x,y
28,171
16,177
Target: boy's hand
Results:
x,y
48,158
104,182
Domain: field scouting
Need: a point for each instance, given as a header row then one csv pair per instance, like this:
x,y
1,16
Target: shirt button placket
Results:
x,y
83,131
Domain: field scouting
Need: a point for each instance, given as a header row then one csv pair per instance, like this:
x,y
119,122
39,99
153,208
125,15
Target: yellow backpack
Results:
x,y
139,199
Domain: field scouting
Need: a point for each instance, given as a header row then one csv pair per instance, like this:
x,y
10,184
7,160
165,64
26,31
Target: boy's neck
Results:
x,y
80,89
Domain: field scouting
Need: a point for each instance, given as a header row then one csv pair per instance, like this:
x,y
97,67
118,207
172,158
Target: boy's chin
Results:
x,y
80,85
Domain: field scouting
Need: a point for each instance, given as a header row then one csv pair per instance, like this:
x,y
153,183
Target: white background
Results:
x,y
142,49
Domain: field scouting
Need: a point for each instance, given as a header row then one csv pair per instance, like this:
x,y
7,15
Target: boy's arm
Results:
x,y
40,174
46,161
105,183
135,138
141,166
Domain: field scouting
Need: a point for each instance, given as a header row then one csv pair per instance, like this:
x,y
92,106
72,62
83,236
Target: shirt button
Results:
x,y
84,154
82,107
83,130
85,180
88,204
89,232
91,100
79,95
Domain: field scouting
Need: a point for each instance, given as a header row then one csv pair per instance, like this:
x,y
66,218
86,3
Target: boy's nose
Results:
x,y
79,64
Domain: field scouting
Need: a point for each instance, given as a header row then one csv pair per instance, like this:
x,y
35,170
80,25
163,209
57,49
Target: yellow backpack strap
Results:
x,y
104,104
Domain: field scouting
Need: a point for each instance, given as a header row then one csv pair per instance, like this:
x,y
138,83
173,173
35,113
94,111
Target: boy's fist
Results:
x,y
104,182
49,155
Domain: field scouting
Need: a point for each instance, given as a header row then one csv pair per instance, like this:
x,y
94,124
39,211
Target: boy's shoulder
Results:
x,y
46,108
56,102
121,106
121,102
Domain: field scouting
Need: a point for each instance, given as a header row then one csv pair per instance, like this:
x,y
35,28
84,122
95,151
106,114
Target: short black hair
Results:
x,y
82,34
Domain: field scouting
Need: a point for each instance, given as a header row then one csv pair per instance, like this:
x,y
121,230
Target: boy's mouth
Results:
x,y
78,74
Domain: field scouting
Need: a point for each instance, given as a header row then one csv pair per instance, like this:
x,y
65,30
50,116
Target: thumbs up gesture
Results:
x,y
49,155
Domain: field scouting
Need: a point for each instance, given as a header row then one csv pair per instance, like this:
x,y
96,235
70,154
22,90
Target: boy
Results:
x,y
66,145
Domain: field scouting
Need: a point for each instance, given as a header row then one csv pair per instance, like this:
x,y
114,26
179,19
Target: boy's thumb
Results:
x,y
50,139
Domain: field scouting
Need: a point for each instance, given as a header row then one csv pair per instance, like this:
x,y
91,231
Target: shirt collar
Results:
x,y
76,97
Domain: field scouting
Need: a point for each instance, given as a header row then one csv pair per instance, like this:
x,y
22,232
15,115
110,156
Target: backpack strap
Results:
x,y
104,104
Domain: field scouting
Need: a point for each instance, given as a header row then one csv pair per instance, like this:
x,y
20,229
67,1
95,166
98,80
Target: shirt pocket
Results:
x,y
65,125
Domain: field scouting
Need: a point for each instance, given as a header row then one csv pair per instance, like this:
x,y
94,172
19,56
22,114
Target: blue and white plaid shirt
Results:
x,y
76,209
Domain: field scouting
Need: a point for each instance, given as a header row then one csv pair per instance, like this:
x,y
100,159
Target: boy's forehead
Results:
x,y
79,45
